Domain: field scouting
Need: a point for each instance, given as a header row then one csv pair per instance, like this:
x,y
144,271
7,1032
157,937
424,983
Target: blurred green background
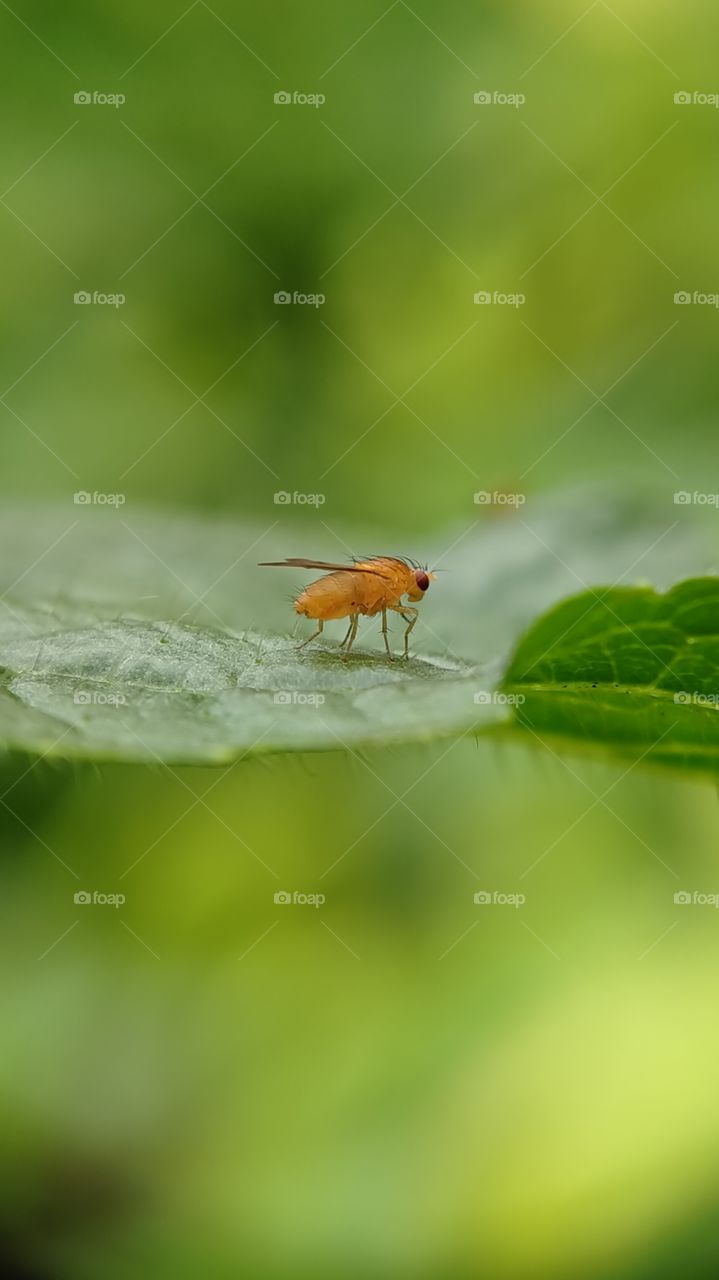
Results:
x,y
397,1083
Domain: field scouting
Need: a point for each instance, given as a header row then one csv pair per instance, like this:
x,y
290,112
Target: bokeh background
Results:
x,y
203,1082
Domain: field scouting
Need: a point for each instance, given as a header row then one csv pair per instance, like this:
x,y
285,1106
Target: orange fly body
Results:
x,y
364,587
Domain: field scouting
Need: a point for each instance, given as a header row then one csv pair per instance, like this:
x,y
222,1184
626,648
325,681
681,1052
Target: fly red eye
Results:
x,y
422,580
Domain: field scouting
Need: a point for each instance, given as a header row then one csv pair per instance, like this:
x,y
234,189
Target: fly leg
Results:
x,y
410,615
349,632
390,654
352,631
314,635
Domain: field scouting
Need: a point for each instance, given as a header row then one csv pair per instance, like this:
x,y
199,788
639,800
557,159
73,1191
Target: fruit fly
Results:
x,y
364,587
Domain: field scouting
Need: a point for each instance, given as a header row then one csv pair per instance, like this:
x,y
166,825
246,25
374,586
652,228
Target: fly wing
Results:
x,y
299,562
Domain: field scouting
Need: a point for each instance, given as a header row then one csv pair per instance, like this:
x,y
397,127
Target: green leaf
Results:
x,y
136,690
133,636
630,669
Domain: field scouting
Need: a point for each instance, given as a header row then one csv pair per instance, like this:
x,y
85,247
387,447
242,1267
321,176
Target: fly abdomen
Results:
x,y
334,596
